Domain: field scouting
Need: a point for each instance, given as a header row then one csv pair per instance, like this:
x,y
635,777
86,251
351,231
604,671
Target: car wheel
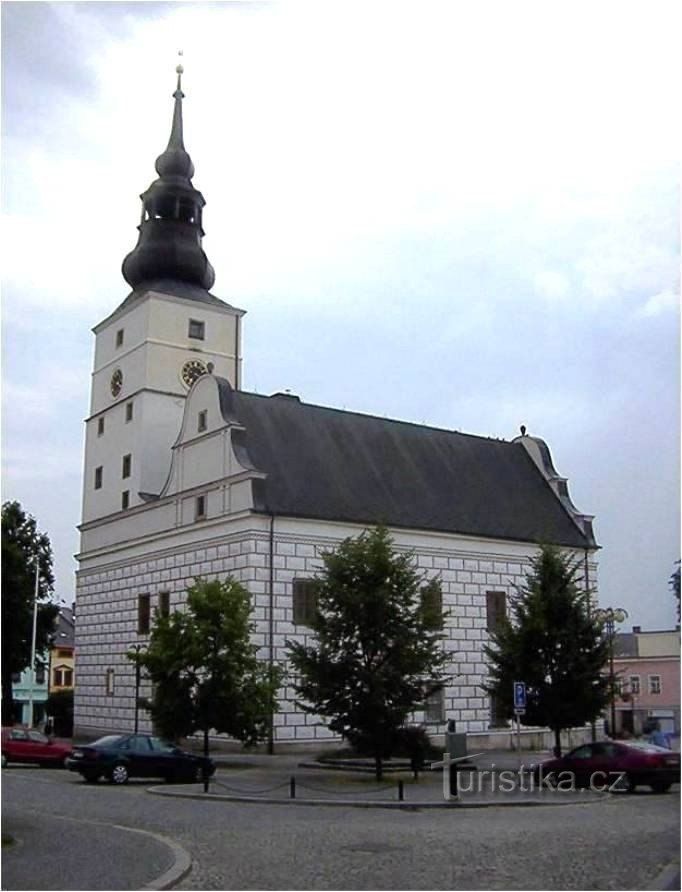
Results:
x,y
65,762
629,784
4,761
119,775
660,786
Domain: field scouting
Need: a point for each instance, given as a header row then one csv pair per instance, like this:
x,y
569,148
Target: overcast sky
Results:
x,y
463,214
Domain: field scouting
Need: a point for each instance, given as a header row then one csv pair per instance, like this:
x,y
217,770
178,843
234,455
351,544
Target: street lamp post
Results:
x,y
32,674
608,617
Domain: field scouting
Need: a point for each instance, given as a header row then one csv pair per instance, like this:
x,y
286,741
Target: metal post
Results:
x,y
32,675
454,792
518,739
292,787
610,630
137,685
401,791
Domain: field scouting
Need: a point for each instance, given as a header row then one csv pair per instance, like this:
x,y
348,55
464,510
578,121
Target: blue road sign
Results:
x,y
519,695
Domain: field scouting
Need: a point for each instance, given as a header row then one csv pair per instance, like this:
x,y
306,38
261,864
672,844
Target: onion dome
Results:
x,y
169,244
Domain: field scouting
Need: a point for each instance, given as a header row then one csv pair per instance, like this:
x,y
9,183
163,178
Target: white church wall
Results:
x,y
108,591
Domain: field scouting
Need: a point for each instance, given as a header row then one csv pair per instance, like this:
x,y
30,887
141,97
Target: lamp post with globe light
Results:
x,y
607,617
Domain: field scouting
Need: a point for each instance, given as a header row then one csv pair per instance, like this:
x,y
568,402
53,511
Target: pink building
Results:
x,y
647,666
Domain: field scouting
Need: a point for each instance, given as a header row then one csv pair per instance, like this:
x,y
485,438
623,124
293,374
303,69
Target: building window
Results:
x,y
434,705
202,421
127,462
119,338
62,677
654,684
129,412
305,601
125,499
100,426
68,678
164,603
196,329
200,508
40,674
432,606
634,684
109,680
143,602
496,610
98,477
16,677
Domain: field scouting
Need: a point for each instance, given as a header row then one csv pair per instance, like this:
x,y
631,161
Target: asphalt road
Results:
x,y
71,836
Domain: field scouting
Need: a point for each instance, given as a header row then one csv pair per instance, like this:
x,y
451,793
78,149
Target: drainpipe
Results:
x,y
271,630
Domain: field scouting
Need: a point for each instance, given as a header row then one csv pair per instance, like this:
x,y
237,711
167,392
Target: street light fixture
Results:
x,y
608,617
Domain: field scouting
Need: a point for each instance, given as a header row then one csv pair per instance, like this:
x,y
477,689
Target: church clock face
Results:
x,y
116,382
191,370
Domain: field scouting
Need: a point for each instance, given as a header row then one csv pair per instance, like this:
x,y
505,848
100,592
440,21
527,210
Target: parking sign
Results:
x,y
519,695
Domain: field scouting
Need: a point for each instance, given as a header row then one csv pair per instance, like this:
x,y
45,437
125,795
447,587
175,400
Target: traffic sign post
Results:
x,y
519,709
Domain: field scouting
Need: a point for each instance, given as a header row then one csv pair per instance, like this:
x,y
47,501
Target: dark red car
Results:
x,y
24,745
613,764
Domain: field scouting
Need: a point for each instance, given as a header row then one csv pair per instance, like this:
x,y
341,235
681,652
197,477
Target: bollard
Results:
x,y
205,781
401,791
292,787
453,780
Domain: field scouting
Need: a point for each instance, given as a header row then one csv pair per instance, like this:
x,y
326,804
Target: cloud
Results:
x,y
663,302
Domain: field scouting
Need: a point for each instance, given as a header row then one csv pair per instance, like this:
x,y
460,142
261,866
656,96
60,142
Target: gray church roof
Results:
x,y
330,464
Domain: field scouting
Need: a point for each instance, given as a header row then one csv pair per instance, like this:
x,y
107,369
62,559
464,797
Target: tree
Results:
x,y
553,645
21,542
377,653
204,669
675,586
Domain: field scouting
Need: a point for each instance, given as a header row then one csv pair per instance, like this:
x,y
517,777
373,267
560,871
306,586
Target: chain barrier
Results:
x,y
344,792
246,791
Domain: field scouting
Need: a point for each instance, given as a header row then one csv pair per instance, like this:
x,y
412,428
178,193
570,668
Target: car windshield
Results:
x,y
109,740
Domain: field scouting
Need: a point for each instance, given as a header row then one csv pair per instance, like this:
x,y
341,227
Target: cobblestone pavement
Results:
x,y
621,842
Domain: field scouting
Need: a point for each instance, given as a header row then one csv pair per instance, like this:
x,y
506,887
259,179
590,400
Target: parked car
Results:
x,y
600,765
25,745
121,756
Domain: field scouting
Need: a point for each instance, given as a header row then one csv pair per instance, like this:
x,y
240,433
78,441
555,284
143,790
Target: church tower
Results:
x,y
167,332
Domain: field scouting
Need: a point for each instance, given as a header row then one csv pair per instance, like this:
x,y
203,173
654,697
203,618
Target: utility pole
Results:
x,y
608,617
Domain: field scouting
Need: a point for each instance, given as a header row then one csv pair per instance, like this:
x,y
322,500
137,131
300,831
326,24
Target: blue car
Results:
x,y
118,757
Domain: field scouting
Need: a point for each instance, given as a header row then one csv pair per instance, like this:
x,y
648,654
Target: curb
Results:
x,y
366,803
668,878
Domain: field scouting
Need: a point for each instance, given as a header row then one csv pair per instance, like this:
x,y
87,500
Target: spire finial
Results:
x,y
179,70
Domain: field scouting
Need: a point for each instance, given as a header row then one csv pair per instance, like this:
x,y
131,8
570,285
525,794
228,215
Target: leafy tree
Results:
x,y
675,586
376,644
59,706
553,645
204,669
21,542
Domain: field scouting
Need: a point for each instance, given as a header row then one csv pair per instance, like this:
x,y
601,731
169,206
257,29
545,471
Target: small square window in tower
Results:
x,y
143,614
119,338
196,329
129,412
100,426
202,421
109,682
125,499
127,464
98,477
304,601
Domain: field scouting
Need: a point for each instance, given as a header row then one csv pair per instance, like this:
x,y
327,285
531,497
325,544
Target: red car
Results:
x,y
23,745
612,764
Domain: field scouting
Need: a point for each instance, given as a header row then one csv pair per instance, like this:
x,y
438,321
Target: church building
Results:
x,y
188,475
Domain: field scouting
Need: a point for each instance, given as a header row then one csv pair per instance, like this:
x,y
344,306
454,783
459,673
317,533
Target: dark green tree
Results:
x,y
21,542
675,586
204,669
378,651
552,644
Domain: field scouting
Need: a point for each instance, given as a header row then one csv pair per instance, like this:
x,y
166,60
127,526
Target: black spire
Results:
x,y
169,248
